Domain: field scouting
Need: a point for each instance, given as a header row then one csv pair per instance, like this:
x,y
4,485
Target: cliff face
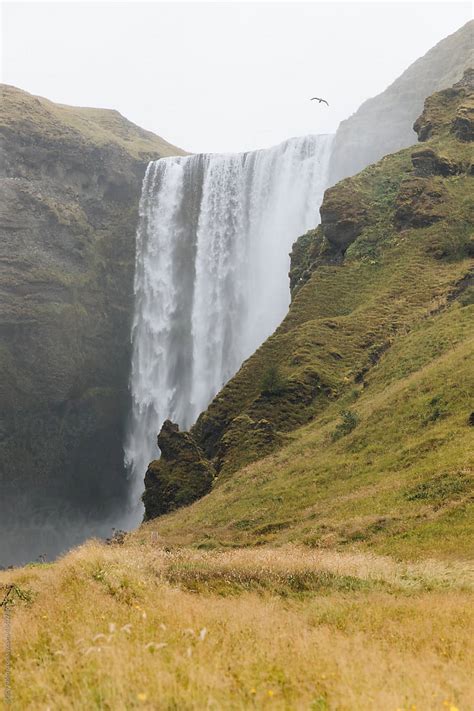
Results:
x,y
352,422
70,181
384,124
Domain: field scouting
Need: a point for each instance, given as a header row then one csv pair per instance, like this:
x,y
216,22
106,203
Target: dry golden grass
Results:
x,y
136,626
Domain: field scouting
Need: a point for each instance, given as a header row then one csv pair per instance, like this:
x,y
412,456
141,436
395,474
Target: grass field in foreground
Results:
x,y
135,626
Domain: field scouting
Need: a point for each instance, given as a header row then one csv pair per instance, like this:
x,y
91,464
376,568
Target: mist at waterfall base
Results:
x,y
211,277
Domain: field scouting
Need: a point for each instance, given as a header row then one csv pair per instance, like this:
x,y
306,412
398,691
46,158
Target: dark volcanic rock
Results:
x,y
181,476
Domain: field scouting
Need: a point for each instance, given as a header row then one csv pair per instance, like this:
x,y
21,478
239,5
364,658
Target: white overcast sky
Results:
x,y
219,76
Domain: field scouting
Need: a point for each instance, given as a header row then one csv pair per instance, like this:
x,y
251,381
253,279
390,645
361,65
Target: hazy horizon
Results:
x,y
219,77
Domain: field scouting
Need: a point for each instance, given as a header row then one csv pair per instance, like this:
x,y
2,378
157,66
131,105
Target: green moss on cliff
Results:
x,y
70,183
36,116
179,477
379,328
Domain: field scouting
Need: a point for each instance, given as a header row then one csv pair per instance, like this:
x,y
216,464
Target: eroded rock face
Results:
x,y
450,110
420,203
422,199
343,215
70,182
426,163
463,124
181,476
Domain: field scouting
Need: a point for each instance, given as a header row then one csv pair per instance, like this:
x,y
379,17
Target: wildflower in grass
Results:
x,y
253,691
142,696
90,650
270,692
203,634
155,645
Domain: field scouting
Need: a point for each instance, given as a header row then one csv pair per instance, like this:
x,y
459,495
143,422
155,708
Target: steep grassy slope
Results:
x,y
376,356
70,181
383,124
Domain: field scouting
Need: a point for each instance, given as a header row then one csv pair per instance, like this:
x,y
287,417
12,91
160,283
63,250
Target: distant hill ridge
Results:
x,y
384,124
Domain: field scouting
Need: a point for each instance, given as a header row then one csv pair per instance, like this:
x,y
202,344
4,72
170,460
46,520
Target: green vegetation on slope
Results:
x,y
37,117
70,183
375,359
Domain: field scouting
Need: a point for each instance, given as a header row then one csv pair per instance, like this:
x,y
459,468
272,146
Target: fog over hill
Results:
x,y
384,124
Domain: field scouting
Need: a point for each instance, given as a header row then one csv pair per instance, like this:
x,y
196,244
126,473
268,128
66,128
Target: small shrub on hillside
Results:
x,y
349,420
435,410
467,297
273,382
440,488
117,538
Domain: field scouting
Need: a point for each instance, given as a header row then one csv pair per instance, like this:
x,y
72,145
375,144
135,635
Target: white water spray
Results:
x,y
211,275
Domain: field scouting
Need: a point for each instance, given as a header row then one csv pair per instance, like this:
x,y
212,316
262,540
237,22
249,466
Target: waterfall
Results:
x,y
211,274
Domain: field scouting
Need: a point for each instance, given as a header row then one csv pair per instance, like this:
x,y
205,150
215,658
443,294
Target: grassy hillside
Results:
x,y
23,113
136,627
374,360
330,566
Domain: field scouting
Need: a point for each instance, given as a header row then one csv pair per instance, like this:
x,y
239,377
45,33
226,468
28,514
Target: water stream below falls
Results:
x,y
211,275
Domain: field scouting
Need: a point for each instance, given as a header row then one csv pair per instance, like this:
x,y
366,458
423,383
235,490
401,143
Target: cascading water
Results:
x,y
211,276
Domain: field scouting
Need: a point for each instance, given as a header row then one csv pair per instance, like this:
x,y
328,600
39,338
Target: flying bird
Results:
x,y
316,98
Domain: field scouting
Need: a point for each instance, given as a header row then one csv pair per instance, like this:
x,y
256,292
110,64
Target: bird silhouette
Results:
x,y
316,98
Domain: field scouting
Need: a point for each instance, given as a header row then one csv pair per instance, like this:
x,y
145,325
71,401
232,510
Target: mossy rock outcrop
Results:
x,y
343,215
420,202
426,163
179,477
449,111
